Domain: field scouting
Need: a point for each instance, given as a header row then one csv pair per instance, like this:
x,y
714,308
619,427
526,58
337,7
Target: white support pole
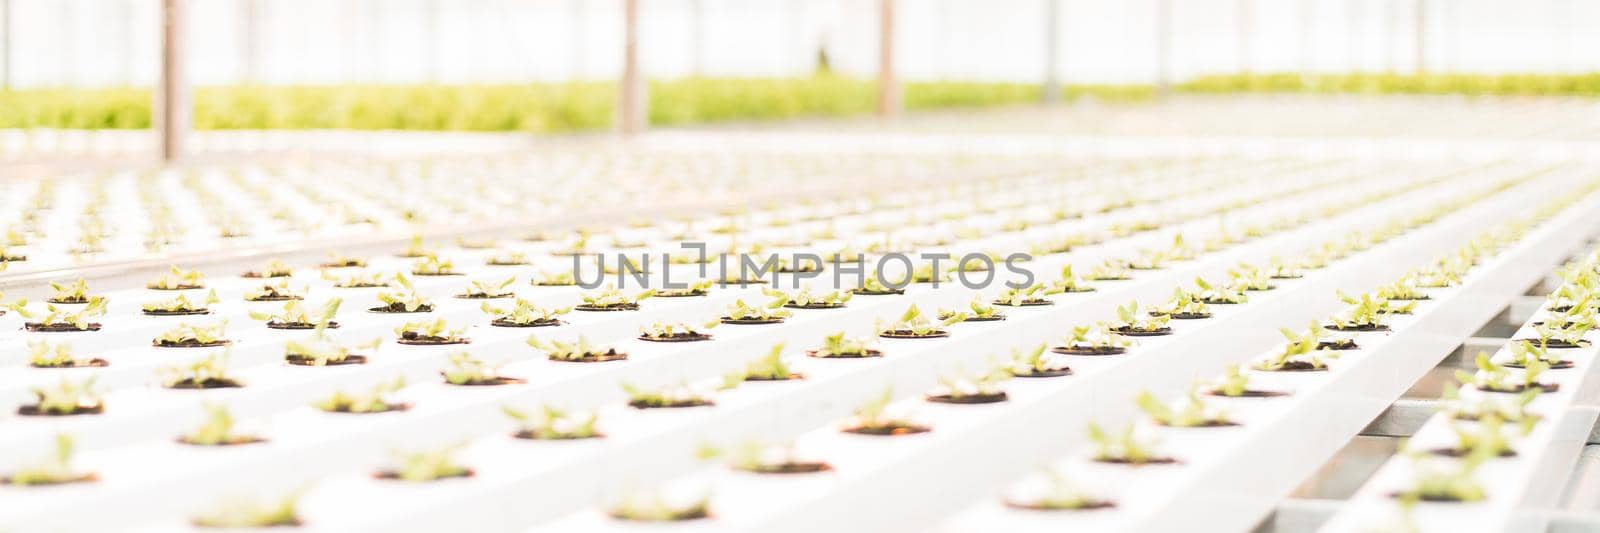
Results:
x,y
430,28
1303,20
173,105
888,82
697,39
1421,34
1245,26
580,38
1052,44
5,44
250,41
1163,47
632,107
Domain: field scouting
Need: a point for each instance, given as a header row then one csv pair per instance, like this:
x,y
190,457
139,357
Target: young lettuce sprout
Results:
x,y
180,305
294,315
677,331
76,292
250,514
416,249
66,398
925,273
1364,314
273,292
488,290
209,372
550,423
508,258
983,387
319,350
838,346
1235,383
656,508
1036,363
1246,277
1124,448
1056,495
42,354
874,417
358,280
178,279
1278,269
872,286
217,430
672,396
186,335
1069,282
1302,352
1031,295
425,466
698,288
57,320
1444,274
426,332
465,369
1553,335
762,458
1229,293
1132,323
338,260
611,299
798,265
743,313
403,299
1524,352
1495,378
912,324
1482,406
374,401
273,269
1149,260
556,279
1490,433
1445,481
1183,305
432,265
804,299
578,352
1188,412
977,311
524,314
1403,289
769,368
54,471
1096,339
1110,270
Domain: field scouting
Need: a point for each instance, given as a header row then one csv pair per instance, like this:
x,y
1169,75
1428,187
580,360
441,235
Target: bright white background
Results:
x,y
113,42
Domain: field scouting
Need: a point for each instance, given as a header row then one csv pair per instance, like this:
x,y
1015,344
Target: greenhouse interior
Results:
x,y
936,266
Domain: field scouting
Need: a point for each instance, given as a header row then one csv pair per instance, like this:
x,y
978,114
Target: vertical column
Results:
x,y
632,108
1303,20
1422,37
580,39
5,44
173,106
888,83
430,28
1245,25
697,40
250,41
1052,44
1163,47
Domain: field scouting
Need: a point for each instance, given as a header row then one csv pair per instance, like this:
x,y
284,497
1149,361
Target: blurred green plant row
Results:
x,y
558,107
562,107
